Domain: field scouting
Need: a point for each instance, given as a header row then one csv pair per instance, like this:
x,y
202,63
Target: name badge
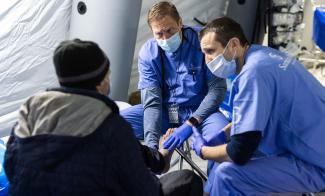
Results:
x,y
173,114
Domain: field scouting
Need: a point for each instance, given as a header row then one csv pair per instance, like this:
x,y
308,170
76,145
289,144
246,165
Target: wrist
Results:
x,y
186,130
203,148
193,121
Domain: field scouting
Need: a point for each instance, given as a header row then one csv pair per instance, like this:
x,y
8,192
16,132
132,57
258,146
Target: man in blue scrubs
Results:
x,y
177,89
278,113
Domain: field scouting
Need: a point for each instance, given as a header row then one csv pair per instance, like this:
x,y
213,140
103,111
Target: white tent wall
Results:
x,y
29,32
113,25
31,29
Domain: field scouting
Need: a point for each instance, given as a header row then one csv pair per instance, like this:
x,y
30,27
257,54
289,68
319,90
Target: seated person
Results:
x,y
72,141
278,113
176,183
177,89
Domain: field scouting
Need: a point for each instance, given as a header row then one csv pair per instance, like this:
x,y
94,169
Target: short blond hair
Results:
x,y
161,9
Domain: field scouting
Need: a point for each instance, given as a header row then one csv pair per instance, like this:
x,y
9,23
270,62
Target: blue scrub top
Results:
x,y
179,67
275,94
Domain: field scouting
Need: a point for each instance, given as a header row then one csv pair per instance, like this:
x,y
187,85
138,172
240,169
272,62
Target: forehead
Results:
x,y
164,23
209,41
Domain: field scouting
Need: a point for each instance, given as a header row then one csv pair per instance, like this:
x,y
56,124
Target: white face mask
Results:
x,y
221,67
171,44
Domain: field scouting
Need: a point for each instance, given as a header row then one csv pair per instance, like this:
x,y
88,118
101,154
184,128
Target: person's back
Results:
x,y
72,141
298,109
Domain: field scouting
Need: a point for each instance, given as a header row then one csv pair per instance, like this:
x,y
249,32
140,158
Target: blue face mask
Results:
x,y
221,67
171,44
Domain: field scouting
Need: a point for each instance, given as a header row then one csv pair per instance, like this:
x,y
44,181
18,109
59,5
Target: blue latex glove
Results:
x,y
197,142
216,138
176,139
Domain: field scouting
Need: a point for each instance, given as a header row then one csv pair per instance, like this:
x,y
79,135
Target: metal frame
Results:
x,y
185,155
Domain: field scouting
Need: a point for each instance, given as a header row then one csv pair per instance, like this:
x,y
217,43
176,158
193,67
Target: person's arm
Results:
x,y
252,106
227,130
158,161
215,95
152,158
152,106
129,166
240,149
216,153
217,88
151,97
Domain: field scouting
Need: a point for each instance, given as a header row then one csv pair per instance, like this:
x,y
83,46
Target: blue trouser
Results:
x,y
262,176
134,115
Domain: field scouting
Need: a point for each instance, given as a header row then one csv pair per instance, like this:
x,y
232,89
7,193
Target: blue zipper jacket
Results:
x,y
73,142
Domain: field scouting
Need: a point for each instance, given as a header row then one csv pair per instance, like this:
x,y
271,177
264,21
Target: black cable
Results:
x,y
199,21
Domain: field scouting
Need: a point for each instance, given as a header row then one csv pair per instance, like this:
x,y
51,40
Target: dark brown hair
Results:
x,y
225,28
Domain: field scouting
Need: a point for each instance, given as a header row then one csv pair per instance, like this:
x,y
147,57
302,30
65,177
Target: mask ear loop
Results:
x,y
224,50
233,57
180,30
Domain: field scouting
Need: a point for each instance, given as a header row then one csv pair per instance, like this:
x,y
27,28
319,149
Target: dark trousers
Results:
x,y
181,183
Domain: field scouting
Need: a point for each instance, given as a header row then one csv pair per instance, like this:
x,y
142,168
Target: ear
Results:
x,y
180,22
99,89
234,43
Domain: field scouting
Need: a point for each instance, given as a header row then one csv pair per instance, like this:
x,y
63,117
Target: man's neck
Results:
x,y
241,58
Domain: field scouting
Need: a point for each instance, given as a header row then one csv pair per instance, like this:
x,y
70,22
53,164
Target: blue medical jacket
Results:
x,y
185,70
275,94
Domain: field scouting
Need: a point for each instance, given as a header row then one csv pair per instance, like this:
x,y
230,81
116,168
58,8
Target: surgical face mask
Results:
x,y
221,67
171,44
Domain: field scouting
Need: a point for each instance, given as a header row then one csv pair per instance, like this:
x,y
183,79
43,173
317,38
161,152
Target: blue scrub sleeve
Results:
x,y
152,107
252,102
147,75
217,88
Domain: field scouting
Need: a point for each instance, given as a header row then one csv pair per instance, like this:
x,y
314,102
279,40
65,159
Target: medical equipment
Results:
x,y
319,27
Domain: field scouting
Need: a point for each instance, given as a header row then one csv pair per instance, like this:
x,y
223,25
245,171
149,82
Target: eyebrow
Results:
x,y
209,49
164,30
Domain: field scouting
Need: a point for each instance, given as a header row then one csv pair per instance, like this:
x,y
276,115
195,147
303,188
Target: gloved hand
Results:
x,y
177,138
216,138
197,142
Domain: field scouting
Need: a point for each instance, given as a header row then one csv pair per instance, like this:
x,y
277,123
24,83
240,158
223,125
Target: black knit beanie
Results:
x,y
80,64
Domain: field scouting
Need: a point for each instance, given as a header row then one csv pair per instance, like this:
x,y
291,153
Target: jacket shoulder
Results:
x,y
149,50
